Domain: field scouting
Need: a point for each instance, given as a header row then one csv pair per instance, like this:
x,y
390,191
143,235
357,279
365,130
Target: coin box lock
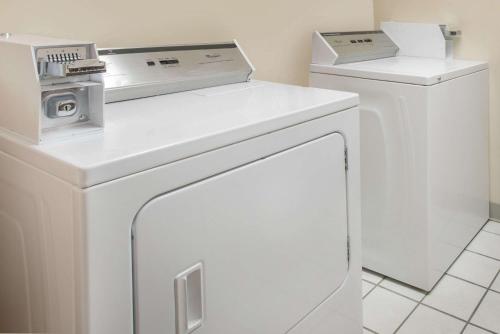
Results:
x,y
61,105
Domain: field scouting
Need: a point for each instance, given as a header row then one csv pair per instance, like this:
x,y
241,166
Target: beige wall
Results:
x,y
480,24
276,34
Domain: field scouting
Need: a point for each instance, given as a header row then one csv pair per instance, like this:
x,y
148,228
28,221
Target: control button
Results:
x,y
353,41
368,40
151,63
360,41
169,61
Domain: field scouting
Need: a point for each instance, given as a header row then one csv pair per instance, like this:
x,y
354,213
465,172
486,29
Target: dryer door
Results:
x,y
251,250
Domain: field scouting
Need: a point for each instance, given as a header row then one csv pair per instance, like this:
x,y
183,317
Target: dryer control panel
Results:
x,y
147,71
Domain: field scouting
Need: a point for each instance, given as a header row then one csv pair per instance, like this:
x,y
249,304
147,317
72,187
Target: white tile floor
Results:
x,y
465,301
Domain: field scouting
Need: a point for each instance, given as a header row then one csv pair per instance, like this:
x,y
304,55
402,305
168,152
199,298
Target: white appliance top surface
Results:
x,y
411,70
34,40
145,133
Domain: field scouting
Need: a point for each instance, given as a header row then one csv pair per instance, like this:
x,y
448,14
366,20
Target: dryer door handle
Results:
x,y
189,300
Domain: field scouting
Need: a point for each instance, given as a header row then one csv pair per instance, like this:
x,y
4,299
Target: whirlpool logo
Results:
x,y
212,55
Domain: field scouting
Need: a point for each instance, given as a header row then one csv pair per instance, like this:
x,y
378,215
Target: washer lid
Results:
x,y
411,70
145,133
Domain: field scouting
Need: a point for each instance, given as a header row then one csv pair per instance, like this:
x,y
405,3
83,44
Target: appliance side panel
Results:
x,y
37,236
458,164
393,174
322,52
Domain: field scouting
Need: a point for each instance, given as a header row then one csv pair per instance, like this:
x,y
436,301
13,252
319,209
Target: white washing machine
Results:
x,y
424,143
231,206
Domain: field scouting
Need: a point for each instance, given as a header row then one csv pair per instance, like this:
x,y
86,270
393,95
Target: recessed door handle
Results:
x,y
189,300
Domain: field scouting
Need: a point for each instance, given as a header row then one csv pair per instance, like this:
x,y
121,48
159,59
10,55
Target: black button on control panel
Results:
x,y
151,63
353,41
368,40
169,61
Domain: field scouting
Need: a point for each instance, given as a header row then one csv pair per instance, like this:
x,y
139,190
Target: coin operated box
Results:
x,y
430,40
50,89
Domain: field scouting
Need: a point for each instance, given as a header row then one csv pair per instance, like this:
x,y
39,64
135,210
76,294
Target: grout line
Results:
x,y
476,253
481,301
470,282
484,329
490,257
448,269
406,318
369,292
444,312
490,232
367,281
421,302
441,278
435,309
479,285
371,289
370,330
375,285
400,294
427,293
470,242
463,250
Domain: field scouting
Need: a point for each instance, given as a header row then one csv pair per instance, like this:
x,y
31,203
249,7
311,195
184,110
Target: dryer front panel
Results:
x,y
251,250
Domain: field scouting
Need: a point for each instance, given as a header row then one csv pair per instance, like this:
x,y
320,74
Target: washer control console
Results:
x,y
349,47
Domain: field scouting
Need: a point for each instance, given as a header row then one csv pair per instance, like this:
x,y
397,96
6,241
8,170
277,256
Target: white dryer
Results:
x,y
424,144
230,207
